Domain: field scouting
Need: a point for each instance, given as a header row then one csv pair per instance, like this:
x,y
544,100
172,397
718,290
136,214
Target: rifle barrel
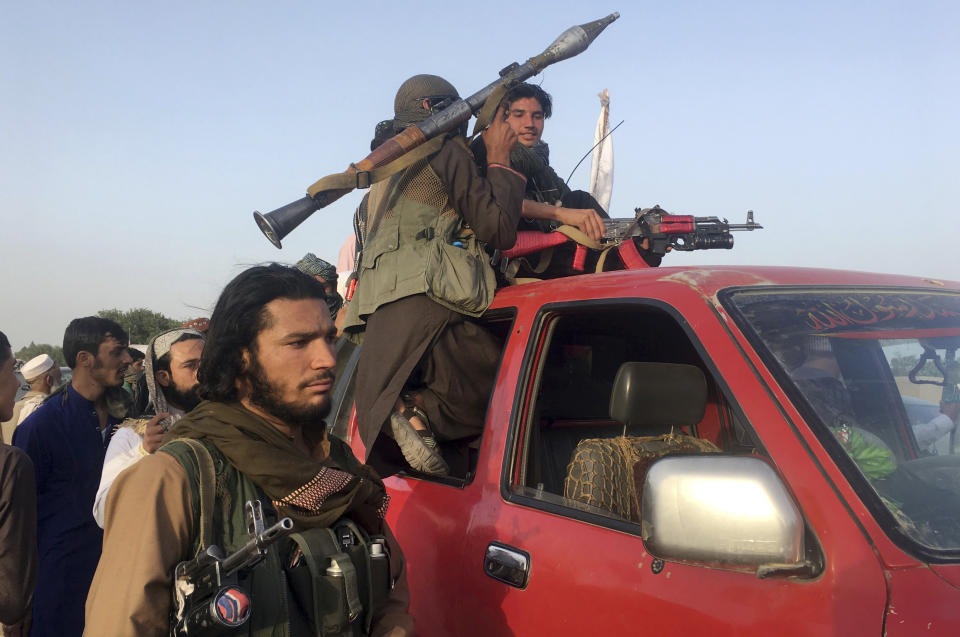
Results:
x,y
256,546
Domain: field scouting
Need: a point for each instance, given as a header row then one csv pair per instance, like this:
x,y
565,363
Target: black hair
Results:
x,y
86,334
523,90
6,351
163,363
135,354
240,314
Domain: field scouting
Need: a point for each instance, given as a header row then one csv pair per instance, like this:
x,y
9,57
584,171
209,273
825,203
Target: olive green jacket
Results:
x,y
419,241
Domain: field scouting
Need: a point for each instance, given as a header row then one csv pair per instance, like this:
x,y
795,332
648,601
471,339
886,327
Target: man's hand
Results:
x,y
499,139
153,433
645,245
585,219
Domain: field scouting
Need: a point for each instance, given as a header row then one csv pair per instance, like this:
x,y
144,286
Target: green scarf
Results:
x,y
312,493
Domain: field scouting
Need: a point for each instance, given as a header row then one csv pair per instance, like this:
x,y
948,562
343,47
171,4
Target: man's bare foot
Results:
x,y
416,421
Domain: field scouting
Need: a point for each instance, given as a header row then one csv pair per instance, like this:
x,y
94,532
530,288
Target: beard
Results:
x,y
185,400
267,397
107,379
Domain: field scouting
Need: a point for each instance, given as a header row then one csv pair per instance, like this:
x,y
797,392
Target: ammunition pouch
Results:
x,y
292,585
458,271
339,578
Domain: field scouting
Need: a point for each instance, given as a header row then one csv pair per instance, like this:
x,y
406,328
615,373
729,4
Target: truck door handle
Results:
x,y
507,564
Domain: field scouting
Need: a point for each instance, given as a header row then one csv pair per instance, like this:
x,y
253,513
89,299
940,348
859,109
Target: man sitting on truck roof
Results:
x,y
548,202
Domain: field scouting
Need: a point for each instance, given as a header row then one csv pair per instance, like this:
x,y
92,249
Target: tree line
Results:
x,y
140,323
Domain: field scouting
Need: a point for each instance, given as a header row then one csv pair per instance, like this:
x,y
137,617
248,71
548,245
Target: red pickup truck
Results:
x,y
699,451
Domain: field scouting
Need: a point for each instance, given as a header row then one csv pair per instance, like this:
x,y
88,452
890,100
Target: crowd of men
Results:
x,y
105,488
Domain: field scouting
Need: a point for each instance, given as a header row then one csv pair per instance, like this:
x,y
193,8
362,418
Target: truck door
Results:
x,y
556,565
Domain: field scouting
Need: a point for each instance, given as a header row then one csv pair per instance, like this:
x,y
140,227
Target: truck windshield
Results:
x,y
876,374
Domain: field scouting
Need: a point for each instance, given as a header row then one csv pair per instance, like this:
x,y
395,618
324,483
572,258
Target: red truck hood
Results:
x,y
924,601
950,573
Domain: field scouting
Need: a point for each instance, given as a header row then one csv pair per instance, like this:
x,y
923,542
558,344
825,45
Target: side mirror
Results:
x,y
722,511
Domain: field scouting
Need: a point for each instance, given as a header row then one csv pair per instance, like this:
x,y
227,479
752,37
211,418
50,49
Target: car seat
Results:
x,y
608,473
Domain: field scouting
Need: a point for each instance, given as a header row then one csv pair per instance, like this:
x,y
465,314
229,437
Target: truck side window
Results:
x,y
342,414
341,399
569,440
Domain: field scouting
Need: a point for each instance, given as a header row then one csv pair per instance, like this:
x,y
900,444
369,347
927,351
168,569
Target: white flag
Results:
x,y
601,165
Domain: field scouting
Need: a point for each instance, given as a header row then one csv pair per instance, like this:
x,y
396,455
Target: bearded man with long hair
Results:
x,y
265,375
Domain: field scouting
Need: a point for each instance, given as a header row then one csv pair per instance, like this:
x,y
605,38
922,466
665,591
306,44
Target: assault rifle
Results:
x,y
680,232
206,597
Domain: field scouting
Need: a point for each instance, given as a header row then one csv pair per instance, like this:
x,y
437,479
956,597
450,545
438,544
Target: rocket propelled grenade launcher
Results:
x,y
279,223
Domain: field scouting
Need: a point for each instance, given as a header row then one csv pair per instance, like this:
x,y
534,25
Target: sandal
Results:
x,y
419,448
410,411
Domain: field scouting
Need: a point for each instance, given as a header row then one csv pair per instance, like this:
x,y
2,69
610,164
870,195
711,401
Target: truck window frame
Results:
x,y
342,396
529,383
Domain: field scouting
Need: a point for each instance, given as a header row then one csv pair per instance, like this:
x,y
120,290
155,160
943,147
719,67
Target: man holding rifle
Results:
x,y
548,202
266,374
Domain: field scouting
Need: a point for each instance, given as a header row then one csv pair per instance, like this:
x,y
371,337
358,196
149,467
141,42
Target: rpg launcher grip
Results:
x,y
206,598
279,223
679,232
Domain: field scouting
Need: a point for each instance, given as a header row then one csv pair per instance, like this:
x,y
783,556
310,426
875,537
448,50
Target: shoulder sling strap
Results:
x,y
207,488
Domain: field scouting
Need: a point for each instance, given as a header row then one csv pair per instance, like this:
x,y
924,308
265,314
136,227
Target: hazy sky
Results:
x,y
136,138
